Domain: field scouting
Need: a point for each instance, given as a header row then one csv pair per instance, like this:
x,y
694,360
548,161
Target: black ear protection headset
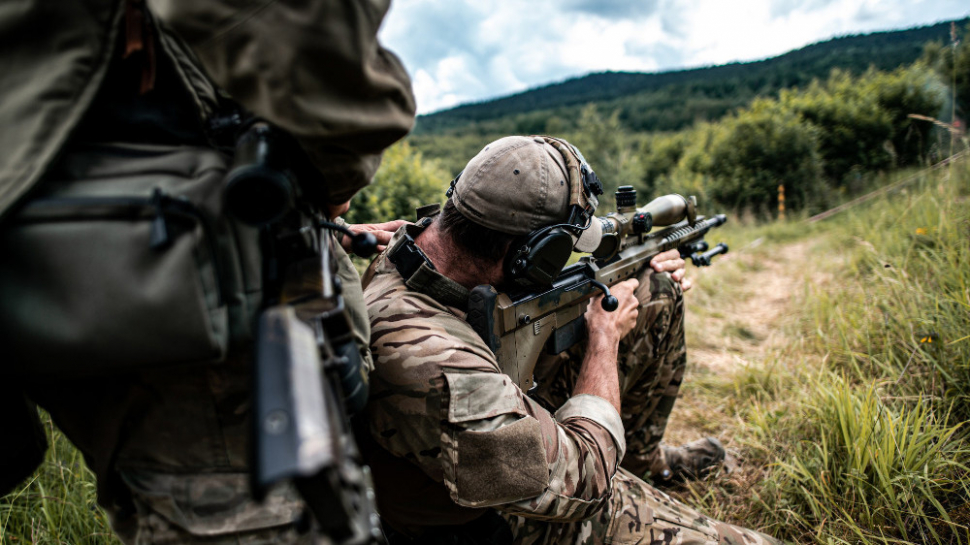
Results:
x,y
538,257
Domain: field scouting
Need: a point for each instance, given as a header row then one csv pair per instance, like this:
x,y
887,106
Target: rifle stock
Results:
x,y
520,326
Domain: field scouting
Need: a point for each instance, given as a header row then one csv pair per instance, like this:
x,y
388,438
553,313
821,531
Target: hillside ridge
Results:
x,y
720,87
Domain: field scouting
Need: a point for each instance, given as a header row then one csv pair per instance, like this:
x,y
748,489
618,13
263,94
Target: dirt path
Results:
x,y
750,326
746,327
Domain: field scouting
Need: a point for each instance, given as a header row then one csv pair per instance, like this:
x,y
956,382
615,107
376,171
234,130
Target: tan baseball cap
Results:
x,y
516,185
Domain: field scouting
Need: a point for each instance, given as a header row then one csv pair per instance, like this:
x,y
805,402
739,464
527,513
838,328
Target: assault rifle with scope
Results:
x,y
520,325
307,366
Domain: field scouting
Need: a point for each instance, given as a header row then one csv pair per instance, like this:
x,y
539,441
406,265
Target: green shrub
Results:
x,y
659,156
905,91
852,128
612,152
952,63
748,155
404,182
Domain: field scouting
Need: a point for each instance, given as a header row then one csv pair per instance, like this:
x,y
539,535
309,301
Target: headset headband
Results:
x,y
584,185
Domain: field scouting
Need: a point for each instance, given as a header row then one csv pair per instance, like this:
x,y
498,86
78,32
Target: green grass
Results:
x,y
857,430
871,470
58,504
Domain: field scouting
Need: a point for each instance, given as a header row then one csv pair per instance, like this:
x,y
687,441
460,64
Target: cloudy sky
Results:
x,y
459,51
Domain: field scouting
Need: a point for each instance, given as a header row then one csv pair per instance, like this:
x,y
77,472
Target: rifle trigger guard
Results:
x,y
609,302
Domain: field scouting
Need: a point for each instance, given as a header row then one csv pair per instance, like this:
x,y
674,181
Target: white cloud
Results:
x,y
460,51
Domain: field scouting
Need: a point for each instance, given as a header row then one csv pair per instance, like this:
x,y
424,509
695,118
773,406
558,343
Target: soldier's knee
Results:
x,y
656,286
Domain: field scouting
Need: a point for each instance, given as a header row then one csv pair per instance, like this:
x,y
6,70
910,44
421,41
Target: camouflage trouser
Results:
x,y
170,451
637,513
652,359
158,530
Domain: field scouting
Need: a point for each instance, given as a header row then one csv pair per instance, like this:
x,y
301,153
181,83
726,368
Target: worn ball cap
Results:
x,y
516,185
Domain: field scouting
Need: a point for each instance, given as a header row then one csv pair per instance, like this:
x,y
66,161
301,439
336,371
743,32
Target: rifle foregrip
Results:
x,y
481,314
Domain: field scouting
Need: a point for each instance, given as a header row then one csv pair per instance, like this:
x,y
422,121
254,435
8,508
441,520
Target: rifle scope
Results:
x,y
628,220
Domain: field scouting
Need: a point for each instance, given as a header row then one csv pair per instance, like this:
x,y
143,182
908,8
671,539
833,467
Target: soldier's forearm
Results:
x,y
598,376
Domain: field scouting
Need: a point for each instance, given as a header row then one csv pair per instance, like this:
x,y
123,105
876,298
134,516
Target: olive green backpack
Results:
x,y
123,258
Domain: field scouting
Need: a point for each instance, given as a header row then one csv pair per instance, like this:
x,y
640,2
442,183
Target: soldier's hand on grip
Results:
x,y
618,323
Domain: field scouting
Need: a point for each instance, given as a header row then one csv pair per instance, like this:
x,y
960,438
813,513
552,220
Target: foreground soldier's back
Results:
x,y
169,444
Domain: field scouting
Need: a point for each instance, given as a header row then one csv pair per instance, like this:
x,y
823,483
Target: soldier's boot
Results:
x,y
691,461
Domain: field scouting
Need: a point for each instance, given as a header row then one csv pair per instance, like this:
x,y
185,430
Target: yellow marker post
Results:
x,y
781,201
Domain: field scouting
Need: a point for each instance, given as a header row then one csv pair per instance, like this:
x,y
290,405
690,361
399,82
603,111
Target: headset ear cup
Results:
x,y
541,258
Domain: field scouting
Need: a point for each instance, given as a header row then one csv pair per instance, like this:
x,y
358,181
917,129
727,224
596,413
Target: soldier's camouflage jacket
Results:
x,y
451,435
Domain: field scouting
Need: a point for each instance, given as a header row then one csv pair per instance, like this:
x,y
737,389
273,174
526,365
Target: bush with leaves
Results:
x,y
404,182
904,91
852,128
952,63
659,156
610,150
748,155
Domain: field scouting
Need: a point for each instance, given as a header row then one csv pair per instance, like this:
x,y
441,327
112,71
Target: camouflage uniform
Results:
x,y
450,435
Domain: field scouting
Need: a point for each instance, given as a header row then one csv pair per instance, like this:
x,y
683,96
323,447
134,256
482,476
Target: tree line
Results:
x,y
666,101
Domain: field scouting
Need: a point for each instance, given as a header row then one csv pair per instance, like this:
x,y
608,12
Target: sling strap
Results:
x,y
420,274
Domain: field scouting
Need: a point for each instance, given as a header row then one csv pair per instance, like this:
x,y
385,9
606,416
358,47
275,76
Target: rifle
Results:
x,y
519,325
301,422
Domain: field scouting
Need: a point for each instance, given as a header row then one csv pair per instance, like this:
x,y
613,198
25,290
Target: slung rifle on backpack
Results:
x,y
307,367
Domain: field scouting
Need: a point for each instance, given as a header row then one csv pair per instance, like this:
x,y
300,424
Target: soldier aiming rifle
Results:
x,y
461,453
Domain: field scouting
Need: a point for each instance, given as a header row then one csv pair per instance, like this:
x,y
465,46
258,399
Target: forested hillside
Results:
x,y
674,100
824,122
